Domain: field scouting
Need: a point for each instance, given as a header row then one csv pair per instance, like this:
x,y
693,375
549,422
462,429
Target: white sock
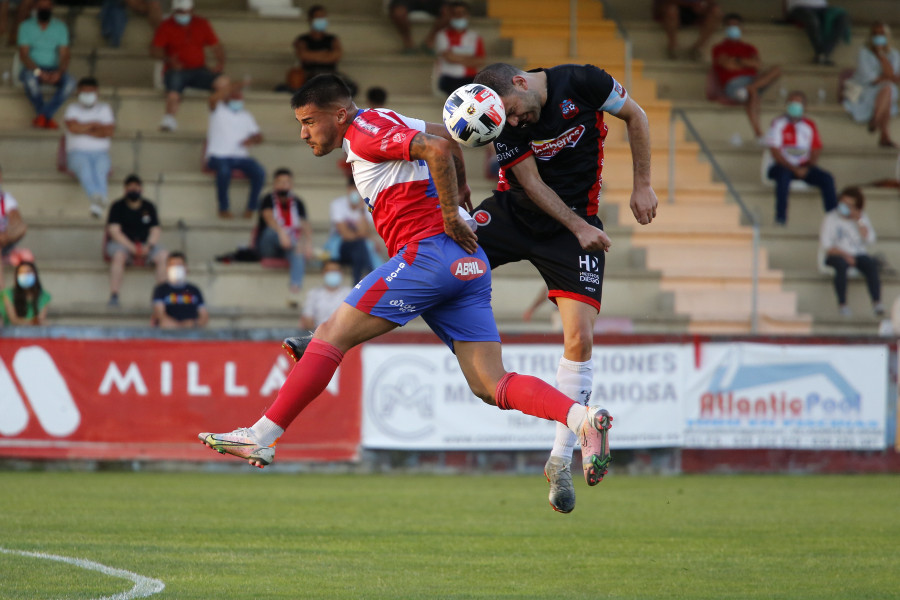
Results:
x,y
575,420
575,380
266,431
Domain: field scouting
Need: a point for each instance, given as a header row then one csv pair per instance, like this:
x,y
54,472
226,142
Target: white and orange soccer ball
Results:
x,y
474,115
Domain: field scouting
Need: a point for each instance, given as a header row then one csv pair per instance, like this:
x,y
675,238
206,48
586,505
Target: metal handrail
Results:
x,y
679,113
610,13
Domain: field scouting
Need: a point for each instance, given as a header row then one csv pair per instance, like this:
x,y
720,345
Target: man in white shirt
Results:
x,y
351,228
232,130
90,125
459,50
845,237
322,301
12,227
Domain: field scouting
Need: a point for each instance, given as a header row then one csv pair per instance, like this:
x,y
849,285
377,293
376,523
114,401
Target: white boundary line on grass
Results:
x,y
143,586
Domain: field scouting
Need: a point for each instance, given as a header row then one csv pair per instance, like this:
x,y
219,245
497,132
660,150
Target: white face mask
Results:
x,y
176,274
87,98
332,279
353,198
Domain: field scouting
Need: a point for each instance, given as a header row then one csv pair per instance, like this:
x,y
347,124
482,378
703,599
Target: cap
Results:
x,y
182,4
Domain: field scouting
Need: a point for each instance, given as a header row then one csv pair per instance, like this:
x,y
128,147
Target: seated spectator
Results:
x,y
845,237
181,41
322,301
12,227
232,129
177,303
133,233
460,50
44,52
737,68
871,94
376,97
283,230
824,25
318,51
794,142
25,303
684,13
89,126
114,17
352,226
399,12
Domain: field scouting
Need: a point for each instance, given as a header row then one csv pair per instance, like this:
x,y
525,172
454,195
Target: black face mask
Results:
x,y
133,195
283,193
44,15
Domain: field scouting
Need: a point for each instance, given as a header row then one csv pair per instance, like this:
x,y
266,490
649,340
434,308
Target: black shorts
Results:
x,y
509,233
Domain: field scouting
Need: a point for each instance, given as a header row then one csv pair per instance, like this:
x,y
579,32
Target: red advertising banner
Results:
x,y
148,399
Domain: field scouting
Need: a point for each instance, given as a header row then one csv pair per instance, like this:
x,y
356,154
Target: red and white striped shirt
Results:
x,y
464,43
794,139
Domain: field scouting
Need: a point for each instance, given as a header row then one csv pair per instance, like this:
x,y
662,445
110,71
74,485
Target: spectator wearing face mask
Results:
x,y
25,303
794,142
460,50
322,301
318,51
177,303
283,230
231,132
871,95
352,227
90,125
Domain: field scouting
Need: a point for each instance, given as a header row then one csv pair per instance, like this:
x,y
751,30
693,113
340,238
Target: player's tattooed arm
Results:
x,y
437,154
465,194
643,198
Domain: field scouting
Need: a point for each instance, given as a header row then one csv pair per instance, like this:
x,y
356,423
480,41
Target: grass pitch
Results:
x,y
267,535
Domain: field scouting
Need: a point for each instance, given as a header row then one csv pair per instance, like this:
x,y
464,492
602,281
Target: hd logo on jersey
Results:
x,y
547,149
469,268
568,108
590,269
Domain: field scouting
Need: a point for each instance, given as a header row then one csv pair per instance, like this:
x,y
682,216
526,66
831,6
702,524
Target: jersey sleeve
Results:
x,y
773,135
115,214
154,218
511,147
816,140
201,303
301,208
106,115
600,89
384,136
441,42
9,202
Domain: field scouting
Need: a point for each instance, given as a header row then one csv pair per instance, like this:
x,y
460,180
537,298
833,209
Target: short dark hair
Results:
x,y
855,193
732,17
458,3
133,179
282,171
176,254
323,91
376,95
313,10
798,93
88,81
498,77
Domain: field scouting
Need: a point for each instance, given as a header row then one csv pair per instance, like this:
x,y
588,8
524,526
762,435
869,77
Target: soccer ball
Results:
x,y
474,115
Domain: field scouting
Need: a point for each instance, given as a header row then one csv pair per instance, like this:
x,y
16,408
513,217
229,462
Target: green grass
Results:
x,y
266,535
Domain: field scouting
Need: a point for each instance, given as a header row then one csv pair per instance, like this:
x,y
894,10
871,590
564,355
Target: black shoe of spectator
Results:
x,y
296,346
113,301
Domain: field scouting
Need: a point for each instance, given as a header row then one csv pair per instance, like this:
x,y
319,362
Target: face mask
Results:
x,y
176,274
44,15
282,193
354,198
332,279
133,195
843,209
795,109
87,98
182,18
879,40
26,280
459,24
236,105
733,32
320,24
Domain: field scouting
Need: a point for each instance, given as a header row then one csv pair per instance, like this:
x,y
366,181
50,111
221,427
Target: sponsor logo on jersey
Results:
x,y
482,217
365,126
568,108
590,269
394,273
617,87
468,268
507,154
547,149
402,306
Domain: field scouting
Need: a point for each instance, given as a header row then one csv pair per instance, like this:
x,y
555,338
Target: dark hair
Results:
x,y
732,17
323,90
331,261
88,81
282,171
313,10
458,3
376,95
20,300
498,77
133,179
855,193
798,93
176,254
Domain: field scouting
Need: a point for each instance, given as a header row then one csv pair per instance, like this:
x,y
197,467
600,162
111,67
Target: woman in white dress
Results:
x,y
871,94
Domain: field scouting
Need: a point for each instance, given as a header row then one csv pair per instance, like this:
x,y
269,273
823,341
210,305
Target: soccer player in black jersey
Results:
x,y
545,211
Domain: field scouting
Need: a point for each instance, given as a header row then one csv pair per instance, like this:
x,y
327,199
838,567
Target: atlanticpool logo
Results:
x,y
44,390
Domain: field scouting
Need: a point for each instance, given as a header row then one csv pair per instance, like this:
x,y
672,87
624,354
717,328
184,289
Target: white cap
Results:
x,y
182,4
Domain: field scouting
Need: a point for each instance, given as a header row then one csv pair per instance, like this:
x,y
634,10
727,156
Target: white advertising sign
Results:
x,y
801,397
415,397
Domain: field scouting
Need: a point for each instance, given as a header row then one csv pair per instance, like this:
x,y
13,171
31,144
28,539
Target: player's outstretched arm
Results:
x,y
591,238
465,194
437,154
643,198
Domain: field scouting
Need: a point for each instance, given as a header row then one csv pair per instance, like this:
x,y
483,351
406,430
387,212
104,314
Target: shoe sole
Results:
x,y
295,351
599,465
553,506
222,448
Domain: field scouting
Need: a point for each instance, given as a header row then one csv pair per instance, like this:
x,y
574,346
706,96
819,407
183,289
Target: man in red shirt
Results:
x,y
180,41
737,68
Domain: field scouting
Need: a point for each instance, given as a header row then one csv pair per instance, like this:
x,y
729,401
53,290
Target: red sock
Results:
x,y
533,397
308,378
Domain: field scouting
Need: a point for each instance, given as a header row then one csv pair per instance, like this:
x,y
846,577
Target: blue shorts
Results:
x,y
436,279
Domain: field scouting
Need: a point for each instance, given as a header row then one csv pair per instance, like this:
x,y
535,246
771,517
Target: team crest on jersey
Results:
x,y
568,108
399,137
617,87
482,217
547,149
468,268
